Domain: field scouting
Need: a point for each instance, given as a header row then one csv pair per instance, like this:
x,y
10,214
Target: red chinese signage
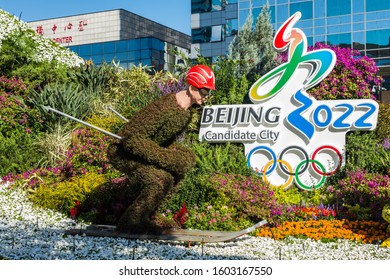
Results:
x,y
66,39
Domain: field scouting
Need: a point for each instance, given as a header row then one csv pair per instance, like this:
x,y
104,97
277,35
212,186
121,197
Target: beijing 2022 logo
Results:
x,y
289,136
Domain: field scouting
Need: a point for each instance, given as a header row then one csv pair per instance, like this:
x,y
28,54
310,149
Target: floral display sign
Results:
x,y
289,136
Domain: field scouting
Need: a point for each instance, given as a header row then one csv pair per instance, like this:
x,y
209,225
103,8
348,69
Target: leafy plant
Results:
x,y
54,145
131,90
364,152
18,153
383,127
360,191
63,196
67,98
249,195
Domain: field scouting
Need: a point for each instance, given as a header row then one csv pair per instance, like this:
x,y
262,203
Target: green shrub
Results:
x,y
361,195
297,196
210,158
54,145
64,195
131,90
18,153
364,152
383,128
248,194
67,98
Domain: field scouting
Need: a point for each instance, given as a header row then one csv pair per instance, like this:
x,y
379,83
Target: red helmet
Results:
x,y
201,76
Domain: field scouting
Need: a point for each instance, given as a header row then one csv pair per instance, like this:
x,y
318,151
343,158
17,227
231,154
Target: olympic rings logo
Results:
x,y
286,168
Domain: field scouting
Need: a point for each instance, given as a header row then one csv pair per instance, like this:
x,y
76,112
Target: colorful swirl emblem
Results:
x,y
289,136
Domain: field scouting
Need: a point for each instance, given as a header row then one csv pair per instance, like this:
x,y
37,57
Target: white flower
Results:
x,y
28,232
46,49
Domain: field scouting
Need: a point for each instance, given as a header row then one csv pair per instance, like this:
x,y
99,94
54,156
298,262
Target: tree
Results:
x,y
253,48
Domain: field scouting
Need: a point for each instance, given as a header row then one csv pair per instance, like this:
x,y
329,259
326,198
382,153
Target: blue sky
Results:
x,y
175,14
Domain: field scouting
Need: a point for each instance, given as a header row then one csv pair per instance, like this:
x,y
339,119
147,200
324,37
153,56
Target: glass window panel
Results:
x,y
200,6
304,24
358,38
358,17
134,55
231,1
319,30
378,15
157,44
339,28
339,20
319,22
146,43
272,14
306,8
109,47
377,5
85,50
383,62
108,57
201,35
337,7
242,17
122,56
308,31
216,33
145,54
342,40
259,3
358,6
216,5
319,8
74,49
310,41
377,39
146,62
121,46
255,13
97,59
358,26
231,27
134,44
245,5
320,38
97,49
282,13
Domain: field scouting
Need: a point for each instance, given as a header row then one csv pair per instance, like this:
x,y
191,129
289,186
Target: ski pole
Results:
x,y
82,122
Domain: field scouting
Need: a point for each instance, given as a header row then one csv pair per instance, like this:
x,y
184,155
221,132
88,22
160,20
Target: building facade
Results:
x,y
117,35
360,24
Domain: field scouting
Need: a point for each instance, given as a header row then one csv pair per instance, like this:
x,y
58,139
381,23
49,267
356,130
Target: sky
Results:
x,y
175,14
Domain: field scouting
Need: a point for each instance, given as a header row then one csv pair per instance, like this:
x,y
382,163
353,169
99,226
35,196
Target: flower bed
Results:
x,y
28,232
329,230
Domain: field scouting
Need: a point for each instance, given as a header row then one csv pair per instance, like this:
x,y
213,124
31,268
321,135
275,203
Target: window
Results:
x,y
231,27
134,44
200,6
201,35
343,40
217,5
378,39
109,47
216,33
306,8
337,7
97,49
377,5
121,46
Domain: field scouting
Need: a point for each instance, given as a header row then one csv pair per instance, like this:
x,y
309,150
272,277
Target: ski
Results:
x,y
205,236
